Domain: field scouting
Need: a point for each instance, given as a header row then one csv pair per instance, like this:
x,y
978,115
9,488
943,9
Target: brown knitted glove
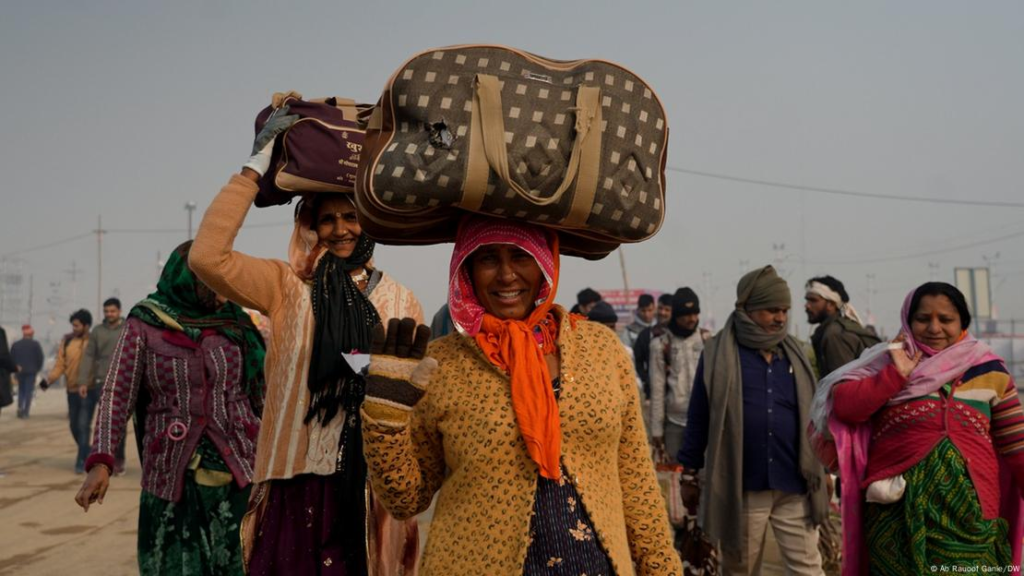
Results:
x,y
399,371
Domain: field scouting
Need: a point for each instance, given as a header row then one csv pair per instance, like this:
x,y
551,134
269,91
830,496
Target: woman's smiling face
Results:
x,y
506,280
936,322
337,225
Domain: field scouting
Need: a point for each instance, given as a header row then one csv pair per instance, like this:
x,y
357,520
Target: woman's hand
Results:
x,y
94,488
399,368
903,362
263,146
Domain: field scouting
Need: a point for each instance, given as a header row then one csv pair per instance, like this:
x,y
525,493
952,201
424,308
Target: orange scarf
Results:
x,y
512,346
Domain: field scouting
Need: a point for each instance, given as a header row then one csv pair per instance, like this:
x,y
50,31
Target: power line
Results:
x,y
48,245
130,231
185,230
841,192
922,254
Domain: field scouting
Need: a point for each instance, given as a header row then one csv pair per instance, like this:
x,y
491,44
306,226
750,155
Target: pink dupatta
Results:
x,y
853,440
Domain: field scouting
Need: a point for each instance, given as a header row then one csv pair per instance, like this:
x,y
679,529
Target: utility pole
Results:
x,y
990,262
74,271
190,207
625,277
779,249
709,295
31,280
99,264
871,294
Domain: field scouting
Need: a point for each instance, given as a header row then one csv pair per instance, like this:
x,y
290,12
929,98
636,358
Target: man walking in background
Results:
x,y
28,355
643,319
585,301
94,365
642,346
745,428
7,367
69,358
673,364
840,336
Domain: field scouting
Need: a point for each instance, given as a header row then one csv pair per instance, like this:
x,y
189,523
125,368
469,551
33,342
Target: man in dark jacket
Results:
x,y
28,355
642,346
840,337
7,367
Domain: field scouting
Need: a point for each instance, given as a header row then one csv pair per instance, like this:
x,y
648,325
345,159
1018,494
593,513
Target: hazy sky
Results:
x,y
132,109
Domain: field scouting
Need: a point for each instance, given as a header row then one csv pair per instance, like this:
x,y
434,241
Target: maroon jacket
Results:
x,y
195,390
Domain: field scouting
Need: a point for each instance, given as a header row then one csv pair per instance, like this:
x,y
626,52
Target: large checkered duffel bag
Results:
x,y
578,146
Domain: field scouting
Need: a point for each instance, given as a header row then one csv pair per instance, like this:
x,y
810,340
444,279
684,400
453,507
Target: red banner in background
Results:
x,y
624,302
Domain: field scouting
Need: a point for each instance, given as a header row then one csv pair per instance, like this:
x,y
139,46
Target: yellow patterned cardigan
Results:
x,y
465,424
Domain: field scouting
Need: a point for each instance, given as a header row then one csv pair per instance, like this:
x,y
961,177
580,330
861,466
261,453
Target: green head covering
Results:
x,y
177,305
762,289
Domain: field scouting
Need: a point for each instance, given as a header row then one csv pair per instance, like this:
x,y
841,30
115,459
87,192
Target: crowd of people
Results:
x,y
533,430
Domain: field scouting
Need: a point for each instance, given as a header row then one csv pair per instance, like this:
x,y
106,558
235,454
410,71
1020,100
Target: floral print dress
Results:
x,y
562,538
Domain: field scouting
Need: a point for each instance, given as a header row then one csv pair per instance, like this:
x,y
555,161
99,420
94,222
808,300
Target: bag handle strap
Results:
x,y
487,106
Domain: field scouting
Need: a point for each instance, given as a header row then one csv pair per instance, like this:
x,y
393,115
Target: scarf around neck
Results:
x,y
851,443
722,508
343,321
517,347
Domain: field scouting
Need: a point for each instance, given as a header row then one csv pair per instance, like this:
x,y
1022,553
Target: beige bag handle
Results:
x,y
487,107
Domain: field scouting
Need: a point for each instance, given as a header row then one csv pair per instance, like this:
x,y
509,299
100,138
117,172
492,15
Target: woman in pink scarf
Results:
x,y
930,440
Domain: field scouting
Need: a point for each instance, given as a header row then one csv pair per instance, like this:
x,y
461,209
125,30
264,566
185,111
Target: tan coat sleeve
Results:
x,y
252,282
59,366
405,462
647,527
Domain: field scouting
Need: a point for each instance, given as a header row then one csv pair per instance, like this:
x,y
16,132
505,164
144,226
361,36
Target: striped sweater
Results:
x,y
980,413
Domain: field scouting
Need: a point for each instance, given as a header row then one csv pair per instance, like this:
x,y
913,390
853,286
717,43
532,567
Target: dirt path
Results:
x,y
43,531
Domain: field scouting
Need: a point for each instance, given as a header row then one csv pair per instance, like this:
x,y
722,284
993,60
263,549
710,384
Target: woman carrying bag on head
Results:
x,y
311,511
526,423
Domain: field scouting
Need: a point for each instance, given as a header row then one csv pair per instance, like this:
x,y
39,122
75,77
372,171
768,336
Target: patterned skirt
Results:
x,y
199,533
938,522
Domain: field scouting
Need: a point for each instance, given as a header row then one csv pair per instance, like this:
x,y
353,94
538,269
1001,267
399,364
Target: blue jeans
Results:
x,y
80,413
26,387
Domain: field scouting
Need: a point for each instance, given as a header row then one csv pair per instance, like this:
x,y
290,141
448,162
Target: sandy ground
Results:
x,y
43,531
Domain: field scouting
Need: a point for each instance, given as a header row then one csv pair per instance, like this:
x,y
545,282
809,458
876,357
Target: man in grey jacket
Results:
x,y
96,361
673,362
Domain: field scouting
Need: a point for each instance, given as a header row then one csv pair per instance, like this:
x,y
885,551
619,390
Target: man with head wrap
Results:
x,y
840,337
673,359
751,394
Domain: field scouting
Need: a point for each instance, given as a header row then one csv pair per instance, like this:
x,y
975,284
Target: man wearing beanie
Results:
x,y
673,361
840,336
745,433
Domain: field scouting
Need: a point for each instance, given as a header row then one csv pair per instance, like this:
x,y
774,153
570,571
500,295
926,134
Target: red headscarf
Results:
x,y
512,345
